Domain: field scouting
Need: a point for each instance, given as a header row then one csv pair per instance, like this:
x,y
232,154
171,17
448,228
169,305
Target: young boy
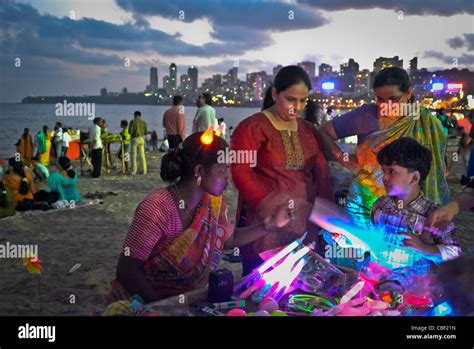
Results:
x,y
405,164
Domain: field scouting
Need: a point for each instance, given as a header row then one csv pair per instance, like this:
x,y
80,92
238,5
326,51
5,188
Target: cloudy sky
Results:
x,y
78,47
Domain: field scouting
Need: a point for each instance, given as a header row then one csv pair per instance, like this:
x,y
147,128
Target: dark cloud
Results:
x,y
262,15
458,41
463,60
31,33
409,7
455,42
469,39
238,26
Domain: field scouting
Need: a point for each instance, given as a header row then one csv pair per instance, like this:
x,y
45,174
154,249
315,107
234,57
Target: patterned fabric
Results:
x,y
293,165
176,260
293,151
390,214
192,254
365,189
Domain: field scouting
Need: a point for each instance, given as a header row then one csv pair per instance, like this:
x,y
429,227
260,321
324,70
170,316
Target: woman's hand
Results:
x,y
352,164
283,216
442,216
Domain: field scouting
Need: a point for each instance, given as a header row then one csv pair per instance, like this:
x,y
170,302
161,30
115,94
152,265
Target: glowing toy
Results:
x,y
387,253
274,277
208,136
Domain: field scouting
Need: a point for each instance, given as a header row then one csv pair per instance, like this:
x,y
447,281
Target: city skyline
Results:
x,y
348,83
60,55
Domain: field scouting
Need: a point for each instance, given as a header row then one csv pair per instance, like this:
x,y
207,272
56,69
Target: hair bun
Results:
x,y
172,165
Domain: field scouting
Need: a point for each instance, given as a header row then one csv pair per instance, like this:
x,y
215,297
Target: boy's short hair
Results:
x,y
408,153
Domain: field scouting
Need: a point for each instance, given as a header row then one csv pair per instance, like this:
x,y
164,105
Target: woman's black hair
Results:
x,y
180,163
285,78
392,76
19,169
65,164
311,112
123,123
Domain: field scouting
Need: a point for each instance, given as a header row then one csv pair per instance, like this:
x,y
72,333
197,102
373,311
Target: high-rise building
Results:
x,y
173,78
386,62
153,79
232,76
277,69
193,75
216,82
257,83
362,83
325,71
347,75
309,68
413,65
184,84
103,92
166,83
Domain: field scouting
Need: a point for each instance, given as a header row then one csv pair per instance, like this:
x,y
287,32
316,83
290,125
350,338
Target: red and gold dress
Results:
x,y
290,162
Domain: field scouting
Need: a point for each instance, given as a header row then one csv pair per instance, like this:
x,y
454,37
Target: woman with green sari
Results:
x,y
43,142
394,115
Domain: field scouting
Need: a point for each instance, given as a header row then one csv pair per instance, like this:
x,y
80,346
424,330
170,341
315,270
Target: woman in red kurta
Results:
x,y
290,164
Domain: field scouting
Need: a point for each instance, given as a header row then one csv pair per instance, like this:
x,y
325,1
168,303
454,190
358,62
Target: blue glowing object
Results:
x,y
437,86
328,86
442,309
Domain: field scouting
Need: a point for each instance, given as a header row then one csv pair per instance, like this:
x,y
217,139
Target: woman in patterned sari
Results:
x,y
289,165
178,232
377,125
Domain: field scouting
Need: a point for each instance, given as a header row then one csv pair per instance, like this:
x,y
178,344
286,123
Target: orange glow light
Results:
x,y
208,136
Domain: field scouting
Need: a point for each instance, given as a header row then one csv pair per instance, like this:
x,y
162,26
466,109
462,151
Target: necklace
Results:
x,y
181,200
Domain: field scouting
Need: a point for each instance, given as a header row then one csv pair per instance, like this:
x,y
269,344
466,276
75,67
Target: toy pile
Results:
x,y
297,281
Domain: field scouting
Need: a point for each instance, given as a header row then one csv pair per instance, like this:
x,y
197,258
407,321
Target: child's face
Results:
x,y
398,181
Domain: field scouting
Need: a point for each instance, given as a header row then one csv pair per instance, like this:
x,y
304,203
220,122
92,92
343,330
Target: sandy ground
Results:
x,y
93,236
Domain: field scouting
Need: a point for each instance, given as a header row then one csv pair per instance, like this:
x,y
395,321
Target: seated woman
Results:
x,y
20,182
7,204
178,232
64,181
